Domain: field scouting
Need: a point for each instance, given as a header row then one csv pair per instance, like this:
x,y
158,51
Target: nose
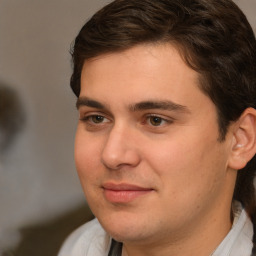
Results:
x,y
120,149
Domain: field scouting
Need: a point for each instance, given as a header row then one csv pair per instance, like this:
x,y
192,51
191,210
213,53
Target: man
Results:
x,y
166,139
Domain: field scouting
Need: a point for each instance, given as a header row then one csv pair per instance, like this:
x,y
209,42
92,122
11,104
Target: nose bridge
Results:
x,y
120,148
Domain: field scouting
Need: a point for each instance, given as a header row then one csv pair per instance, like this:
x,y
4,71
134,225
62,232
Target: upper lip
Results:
x,y
124,187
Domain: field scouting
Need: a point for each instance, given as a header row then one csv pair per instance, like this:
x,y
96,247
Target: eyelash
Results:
x,y
163,120
88,120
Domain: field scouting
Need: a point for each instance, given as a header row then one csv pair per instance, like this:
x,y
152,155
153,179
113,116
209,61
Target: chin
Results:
x,y
124,228
126,236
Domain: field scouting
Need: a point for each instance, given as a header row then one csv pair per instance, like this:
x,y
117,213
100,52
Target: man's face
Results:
x,y
147,149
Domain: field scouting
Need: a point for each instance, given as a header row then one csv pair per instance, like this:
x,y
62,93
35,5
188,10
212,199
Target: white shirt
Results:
x,y
92,240
238,241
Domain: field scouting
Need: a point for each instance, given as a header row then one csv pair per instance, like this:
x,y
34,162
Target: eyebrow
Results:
x,y
84,101
144,105
164,105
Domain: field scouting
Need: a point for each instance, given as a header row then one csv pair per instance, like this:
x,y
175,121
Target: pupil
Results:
x,y
156,121
97,119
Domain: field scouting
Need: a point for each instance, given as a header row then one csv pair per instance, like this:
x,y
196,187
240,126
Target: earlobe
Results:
x,y
244,140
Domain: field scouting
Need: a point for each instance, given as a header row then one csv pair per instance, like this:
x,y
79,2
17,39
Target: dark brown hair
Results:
x,y
213,37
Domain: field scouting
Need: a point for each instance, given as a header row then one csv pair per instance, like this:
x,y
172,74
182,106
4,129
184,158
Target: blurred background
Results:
x,y
41,201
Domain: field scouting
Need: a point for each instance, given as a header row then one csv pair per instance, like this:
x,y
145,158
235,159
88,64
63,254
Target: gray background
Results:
x,y
37,175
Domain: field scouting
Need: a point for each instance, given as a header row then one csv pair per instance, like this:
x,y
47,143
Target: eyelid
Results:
x,y
167,120
160,116
86,116
91,112
89,119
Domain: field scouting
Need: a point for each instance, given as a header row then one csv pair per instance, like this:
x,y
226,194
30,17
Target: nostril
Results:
x,y
119,158
111,161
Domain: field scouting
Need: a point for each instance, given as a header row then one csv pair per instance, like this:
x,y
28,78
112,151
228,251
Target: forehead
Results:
x,y
142,61
141,73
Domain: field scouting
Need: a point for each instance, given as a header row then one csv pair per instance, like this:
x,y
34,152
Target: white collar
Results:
x,y
238,241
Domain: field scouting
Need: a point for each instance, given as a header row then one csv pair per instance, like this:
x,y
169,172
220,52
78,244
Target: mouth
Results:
x,y
123,193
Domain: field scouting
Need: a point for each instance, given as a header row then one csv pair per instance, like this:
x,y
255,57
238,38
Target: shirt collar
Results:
x,y
239,239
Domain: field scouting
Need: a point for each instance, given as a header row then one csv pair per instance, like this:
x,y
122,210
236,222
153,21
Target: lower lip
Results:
x,y
124,196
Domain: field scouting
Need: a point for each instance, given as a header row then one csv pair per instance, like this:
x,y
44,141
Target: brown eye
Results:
x,y
97,119
155,120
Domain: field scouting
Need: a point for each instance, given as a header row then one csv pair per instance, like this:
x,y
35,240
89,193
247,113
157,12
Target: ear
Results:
x,y
243,140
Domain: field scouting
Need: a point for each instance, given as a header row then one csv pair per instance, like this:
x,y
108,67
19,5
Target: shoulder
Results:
x,y
88,240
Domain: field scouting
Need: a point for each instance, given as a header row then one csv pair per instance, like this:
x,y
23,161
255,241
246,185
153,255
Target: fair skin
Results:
x,y
148,156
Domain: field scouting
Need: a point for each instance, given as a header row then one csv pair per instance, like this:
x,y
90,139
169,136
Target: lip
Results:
x,y
123,192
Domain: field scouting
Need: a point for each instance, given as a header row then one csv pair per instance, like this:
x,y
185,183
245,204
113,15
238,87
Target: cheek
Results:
x,y
187,165
87,161
87,158
189,179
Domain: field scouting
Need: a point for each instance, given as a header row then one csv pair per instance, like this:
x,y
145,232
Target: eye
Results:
x,y
94,119
156,121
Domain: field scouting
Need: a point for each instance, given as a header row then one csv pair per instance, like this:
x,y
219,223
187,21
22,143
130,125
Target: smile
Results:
x,y
123,193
